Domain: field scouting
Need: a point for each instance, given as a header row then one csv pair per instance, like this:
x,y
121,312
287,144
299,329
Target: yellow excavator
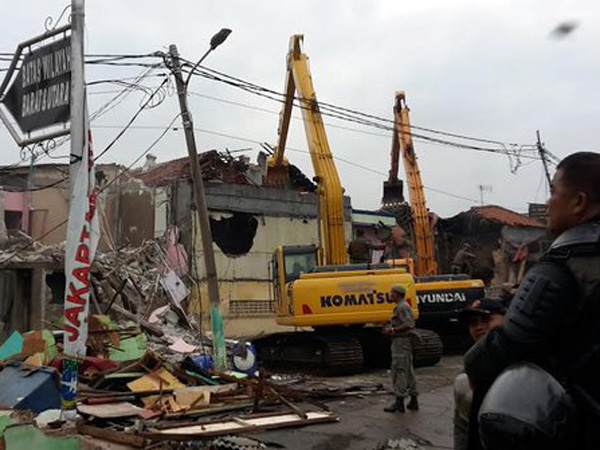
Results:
x,y
440,297
315,287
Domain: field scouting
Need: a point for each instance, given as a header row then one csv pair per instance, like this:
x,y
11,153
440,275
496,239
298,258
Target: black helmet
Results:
x,y
526,408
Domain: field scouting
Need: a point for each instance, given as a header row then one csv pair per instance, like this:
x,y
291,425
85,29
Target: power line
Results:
x,y
417,137
514,154
128,125
156,141
292,149
122,94
215,75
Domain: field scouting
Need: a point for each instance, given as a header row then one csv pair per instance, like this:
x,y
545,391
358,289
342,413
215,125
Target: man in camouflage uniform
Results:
x,y
399,329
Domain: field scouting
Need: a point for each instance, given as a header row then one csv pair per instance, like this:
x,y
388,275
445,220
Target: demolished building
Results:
x,y
505,242
248,222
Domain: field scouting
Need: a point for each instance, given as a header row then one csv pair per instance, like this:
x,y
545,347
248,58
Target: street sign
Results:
x,y
35,95
40,93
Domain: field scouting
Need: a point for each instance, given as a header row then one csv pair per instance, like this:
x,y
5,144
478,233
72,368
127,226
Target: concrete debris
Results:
x,y
399,444
221,167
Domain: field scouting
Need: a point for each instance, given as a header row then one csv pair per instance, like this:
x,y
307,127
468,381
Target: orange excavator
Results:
x,y
440,297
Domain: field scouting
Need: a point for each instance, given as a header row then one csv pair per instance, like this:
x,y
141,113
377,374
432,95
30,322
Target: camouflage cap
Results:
x,y
399,288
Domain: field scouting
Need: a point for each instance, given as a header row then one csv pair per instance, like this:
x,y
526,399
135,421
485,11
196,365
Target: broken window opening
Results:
x,y
234,235
13,220
56,282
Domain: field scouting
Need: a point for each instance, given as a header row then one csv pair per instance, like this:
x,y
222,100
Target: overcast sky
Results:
x,y
482,68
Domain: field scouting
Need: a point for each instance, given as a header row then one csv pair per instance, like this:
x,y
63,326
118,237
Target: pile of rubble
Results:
x,y
132,395
148,377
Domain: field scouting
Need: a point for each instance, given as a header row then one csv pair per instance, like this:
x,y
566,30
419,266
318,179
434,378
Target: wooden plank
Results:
x,y
111,435
110,410
238,425
293,407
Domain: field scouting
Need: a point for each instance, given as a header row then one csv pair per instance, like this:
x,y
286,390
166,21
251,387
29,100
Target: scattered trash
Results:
x,y
12,346
48,418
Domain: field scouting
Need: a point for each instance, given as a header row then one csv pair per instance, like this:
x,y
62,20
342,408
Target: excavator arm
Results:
x,y
426,263
277,164
393,197
330,191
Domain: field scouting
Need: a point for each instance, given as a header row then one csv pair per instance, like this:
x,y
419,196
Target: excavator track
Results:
x,y
427,348
329,353
336,353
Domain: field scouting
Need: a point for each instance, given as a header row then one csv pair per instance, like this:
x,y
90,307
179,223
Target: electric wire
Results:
x,y
215,75
514,154
292,149
512,150
416,137
128,125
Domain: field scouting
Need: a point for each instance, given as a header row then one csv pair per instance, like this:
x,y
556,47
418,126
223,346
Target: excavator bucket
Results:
x,y
392,194
277,176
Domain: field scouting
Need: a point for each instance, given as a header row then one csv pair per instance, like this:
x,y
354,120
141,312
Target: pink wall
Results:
x,y
18,201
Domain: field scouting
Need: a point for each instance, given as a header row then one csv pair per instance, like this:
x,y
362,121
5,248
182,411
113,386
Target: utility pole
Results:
x,y
74,350
543,157
219,353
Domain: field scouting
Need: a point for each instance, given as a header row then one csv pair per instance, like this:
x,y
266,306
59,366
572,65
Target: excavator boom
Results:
x,y
426,264
330,191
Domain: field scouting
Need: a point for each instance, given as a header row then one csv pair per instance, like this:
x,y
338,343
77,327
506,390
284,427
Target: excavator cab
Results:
x,y
288,264
297,259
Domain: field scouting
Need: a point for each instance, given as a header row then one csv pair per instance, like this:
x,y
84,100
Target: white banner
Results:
x,y
83,233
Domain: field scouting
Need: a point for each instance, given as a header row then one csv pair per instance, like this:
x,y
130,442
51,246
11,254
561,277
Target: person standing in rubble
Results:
x,y
463,260
359,249
399,329
535,377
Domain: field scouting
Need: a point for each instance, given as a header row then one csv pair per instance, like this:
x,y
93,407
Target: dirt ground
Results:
x,y
364,425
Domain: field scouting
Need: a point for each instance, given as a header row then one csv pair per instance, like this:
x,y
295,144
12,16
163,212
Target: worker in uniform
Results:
x,y
463,260
535,377
359,249
399,329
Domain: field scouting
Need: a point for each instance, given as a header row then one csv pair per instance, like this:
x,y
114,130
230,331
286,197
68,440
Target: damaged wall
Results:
x,y
248,223
126,208
234,235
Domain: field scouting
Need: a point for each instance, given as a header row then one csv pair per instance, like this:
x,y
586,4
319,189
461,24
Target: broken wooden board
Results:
x,y
109,434
241,424
110,410
194,397
157,380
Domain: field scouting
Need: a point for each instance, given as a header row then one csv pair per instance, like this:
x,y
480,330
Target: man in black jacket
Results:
x,y
554,318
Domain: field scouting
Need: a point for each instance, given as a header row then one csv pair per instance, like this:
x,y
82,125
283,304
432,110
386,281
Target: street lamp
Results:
x,y
212,282
215,41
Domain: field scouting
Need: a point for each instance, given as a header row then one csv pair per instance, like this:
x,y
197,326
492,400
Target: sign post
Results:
x,y
47,92
82,230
